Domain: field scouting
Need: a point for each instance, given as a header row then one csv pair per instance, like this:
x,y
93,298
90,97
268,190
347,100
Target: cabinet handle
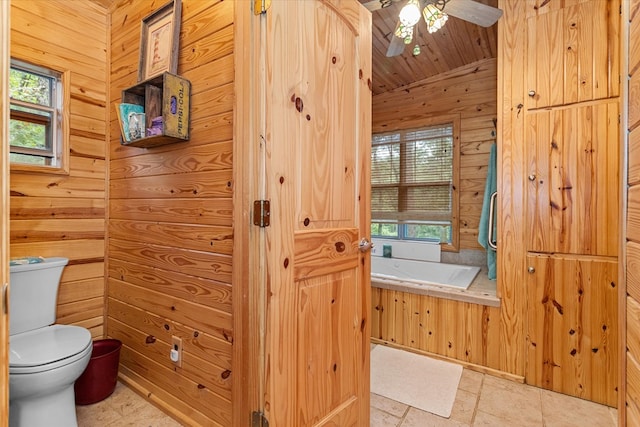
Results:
x,y
531,270
532,93
532,177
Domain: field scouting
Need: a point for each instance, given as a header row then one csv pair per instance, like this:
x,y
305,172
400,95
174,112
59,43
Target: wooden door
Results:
x,y
572,326
573,49
573,179
4,214
316,137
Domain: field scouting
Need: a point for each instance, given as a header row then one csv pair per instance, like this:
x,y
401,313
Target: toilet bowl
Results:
x,y
45,359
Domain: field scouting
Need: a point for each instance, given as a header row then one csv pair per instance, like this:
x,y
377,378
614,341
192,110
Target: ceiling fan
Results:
x,y
435,14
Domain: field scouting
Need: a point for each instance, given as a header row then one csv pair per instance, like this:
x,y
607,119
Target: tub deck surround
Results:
x,y
456,279
481,291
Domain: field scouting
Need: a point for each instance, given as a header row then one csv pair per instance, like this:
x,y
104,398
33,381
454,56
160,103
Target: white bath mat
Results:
x,y
415,380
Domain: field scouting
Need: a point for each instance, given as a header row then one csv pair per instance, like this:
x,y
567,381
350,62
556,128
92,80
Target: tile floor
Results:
x,y
482,400
123,408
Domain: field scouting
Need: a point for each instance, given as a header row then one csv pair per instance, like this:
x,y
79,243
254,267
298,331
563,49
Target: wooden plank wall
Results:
x,y
631,359
469,91
170,230
56,214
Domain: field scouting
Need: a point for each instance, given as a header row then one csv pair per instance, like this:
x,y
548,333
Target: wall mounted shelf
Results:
x,y
167,96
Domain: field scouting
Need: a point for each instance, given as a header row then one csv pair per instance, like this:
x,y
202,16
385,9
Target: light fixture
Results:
x,y
434,17
410,13
405,33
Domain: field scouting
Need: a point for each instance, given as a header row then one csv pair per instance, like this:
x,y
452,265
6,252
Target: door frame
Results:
x,y
248,318
5,30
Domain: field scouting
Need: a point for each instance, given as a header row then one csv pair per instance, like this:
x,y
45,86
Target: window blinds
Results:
x,y
412,174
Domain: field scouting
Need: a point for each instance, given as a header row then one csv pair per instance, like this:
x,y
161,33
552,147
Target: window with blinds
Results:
x,y
412,183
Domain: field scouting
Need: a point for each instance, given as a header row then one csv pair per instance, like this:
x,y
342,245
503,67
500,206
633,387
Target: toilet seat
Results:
x,y
47,348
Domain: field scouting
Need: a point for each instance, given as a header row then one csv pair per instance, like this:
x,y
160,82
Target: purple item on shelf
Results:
x,y
156,126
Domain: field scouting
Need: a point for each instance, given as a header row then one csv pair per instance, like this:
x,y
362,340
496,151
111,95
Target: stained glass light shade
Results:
x,y
405,33
434,17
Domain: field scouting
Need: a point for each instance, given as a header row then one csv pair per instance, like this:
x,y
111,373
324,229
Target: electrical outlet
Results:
x,y
176,351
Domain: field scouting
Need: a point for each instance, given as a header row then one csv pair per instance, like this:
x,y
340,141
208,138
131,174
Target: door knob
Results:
x,y
531,270
365,245
532,177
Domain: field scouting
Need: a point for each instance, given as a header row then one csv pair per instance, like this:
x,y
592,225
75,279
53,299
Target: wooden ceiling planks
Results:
x,y
457,44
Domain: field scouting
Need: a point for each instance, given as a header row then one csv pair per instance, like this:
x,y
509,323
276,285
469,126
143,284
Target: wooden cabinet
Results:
x,y
573,50
573,179
168,97
559,192
572,332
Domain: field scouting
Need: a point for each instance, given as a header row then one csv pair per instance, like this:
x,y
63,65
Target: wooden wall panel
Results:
x,y
64,215
632,413
170,224
630,393
469,91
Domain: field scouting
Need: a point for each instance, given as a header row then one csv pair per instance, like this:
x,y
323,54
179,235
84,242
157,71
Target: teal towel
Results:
x,y
483,228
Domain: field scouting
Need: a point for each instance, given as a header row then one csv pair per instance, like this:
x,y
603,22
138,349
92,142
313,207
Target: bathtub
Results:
x,y
422,273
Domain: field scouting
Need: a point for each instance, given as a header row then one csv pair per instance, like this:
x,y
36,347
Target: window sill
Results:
x,y
47,170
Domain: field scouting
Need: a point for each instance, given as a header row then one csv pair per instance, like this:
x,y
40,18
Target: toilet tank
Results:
x,y
33,294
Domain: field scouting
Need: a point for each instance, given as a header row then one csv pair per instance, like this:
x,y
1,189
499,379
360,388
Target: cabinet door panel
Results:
x,y
572,53
573,198
572,326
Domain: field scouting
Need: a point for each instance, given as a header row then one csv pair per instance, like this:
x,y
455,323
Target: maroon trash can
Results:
x,y
99,379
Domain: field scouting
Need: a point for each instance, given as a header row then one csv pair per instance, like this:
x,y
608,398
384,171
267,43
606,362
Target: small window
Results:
x,y
35,125
412,184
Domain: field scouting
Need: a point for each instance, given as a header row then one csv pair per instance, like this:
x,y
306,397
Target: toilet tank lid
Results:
x,y
51,262
47,345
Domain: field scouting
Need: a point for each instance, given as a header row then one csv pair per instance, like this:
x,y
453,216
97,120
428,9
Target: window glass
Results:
x,y
412,184
34,125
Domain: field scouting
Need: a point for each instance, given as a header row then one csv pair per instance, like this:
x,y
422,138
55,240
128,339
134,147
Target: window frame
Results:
x,y
60,149
454,120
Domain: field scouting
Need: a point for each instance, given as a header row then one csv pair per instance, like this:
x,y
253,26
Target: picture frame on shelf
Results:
x,y
159,41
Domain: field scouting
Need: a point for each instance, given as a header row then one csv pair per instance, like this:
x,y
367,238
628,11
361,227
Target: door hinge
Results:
x,y
258,419
261,213
261,6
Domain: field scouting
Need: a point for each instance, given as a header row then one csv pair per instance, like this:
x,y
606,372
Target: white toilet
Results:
x,y
45,359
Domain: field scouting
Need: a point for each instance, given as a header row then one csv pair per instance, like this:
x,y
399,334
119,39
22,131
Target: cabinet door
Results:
x,y
572,52
572,334
573,171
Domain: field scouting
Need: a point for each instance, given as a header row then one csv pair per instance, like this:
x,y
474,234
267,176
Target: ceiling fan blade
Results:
x,y
374,5
396,45
474,12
